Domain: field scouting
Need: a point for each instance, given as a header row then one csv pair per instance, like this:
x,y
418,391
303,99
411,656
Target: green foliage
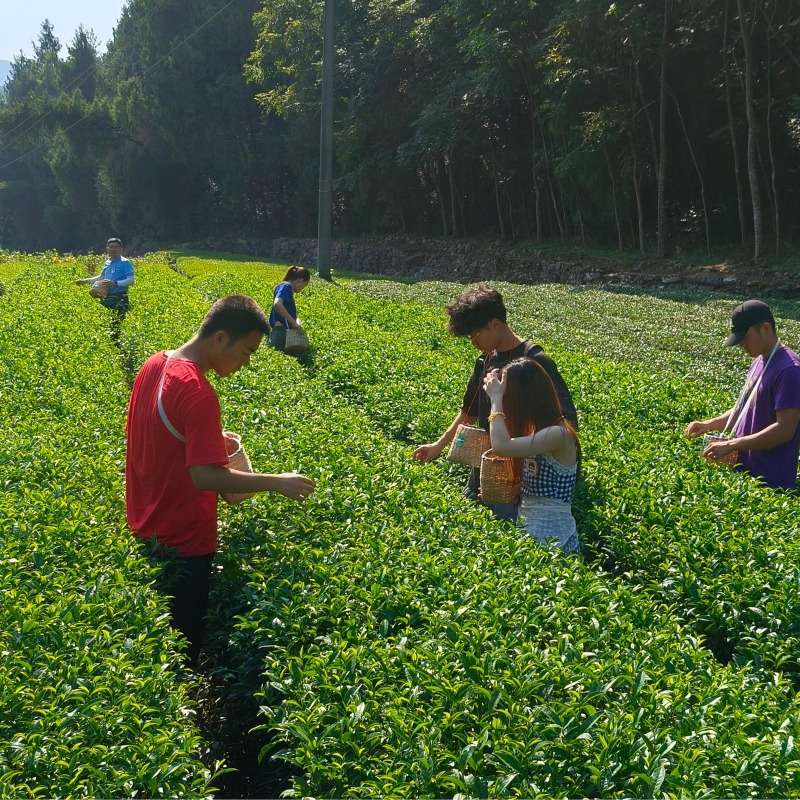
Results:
x,y
90,699
407,643
413,646
710,542
527,120
127,142
535,120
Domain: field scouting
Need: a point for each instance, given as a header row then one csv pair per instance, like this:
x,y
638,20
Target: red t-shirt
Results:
x,y
160,496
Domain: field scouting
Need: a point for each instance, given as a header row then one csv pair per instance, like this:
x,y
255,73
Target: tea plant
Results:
x,y
681,333
650,504
414,646
410,645
90,700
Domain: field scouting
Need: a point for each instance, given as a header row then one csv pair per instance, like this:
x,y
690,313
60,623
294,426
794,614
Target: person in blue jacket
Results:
x,y
116,276
284,310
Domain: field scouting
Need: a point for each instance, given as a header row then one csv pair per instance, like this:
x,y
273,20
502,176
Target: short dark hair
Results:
x,y
474,309
293,273
237,315
114,239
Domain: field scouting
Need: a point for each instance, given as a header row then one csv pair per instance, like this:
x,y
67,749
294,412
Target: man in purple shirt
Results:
x,y
766,417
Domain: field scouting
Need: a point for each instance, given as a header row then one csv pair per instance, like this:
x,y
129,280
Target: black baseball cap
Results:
x,y
749,313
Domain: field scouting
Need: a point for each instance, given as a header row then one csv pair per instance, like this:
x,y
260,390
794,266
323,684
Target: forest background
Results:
x,y
656,126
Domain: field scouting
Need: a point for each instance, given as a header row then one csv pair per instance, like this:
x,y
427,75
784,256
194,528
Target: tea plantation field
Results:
x,y
406,644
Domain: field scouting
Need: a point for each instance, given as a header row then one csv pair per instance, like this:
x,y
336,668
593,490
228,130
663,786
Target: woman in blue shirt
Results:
x,y
284,310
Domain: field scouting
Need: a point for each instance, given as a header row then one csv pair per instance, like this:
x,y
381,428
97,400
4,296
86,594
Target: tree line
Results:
x,y
655,126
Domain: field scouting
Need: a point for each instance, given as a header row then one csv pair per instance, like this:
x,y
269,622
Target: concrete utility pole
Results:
x,y
326,148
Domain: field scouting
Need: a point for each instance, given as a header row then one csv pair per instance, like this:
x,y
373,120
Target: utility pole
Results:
x,y
326,148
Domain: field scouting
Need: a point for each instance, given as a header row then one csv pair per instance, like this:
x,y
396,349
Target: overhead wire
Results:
x,y
76,82
151,67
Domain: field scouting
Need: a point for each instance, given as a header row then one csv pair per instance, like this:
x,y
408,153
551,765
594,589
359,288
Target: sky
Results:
x,y
22,19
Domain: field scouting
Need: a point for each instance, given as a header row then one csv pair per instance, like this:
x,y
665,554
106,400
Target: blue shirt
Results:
x,y
119,270
284,291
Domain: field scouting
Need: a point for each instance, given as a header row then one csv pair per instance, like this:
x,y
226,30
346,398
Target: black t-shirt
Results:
x,y
476,402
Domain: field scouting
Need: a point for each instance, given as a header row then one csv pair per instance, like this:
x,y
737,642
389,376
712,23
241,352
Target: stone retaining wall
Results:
x,y
468,262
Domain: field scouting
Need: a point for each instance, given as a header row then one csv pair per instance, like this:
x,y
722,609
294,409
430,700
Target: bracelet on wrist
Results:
x,y
496,414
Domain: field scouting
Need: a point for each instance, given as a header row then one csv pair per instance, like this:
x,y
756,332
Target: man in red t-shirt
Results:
x,y
177,460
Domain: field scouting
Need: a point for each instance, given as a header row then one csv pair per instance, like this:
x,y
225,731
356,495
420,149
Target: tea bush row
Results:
x,y
711,543
414,646
90,700
679,331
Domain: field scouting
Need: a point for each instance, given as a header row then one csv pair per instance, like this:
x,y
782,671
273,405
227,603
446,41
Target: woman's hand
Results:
x,y
297,326
495,384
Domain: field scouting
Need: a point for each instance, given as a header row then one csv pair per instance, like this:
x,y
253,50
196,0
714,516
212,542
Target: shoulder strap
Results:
x,y
161,412
749,393
487,357
531,350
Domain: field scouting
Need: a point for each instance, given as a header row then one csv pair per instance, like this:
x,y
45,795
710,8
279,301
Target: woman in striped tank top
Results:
x,y
526,424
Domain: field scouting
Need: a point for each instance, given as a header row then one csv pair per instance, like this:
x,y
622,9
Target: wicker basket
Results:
x,y
728,460
497,479
238,460
99,291
468,445
296,342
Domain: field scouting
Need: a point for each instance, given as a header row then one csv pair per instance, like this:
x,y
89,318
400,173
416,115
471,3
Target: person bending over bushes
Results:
x,y
764,421
526,423
177,459
479,314
284,310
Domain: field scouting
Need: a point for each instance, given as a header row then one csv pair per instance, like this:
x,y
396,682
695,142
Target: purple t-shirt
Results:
x,y
780,388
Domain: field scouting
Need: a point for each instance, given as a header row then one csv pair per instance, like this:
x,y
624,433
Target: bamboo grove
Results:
x,y
662,126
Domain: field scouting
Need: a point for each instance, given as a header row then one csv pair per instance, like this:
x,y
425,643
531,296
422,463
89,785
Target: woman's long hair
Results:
x,y
531,403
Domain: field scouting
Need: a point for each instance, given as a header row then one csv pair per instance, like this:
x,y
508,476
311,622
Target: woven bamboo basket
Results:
x,y
497,479
468,445
100,292
728,460
238,460
296,342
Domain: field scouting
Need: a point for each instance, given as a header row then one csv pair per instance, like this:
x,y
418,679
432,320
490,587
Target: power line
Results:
x,y
84,76
152,66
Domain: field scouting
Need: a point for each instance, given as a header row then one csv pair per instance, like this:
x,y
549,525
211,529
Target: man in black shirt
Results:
x,y
479,314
